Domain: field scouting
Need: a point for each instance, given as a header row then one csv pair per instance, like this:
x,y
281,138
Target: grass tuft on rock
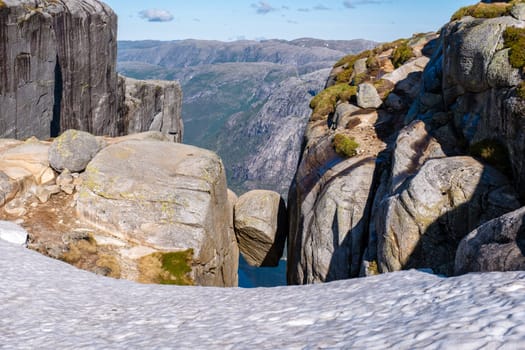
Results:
x,y
345,146
483,10
514,39
167,268
324,102
402,54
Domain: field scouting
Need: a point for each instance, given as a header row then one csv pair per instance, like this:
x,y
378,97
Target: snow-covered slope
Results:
x,y
48,304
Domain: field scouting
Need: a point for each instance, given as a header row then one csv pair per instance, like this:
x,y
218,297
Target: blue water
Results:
x,y
252,277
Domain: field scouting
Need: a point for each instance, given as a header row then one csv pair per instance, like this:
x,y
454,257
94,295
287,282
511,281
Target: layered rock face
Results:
x,y
144,209
150,105
413,150
58,72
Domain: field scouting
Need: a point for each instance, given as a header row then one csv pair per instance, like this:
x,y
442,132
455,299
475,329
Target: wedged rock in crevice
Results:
x,y
422,226
261,227
498,245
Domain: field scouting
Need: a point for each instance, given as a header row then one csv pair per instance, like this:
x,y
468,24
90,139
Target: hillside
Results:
x,y
227,92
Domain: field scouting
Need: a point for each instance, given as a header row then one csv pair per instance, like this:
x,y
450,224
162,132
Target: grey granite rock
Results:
x,y
261,227
166,196
421,227
498,245
73,150
367,96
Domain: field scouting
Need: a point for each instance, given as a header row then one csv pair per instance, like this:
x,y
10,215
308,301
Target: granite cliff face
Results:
x,y
58,71
411,151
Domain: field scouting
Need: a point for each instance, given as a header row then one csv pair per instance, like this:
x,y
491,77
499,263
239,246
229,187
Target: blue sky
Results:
x,y
380,20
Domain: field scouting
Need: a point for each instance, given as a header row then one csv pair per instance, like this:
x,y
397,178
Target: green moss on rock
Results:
x,y
514,39
345,146
484,10
324,103
167,268
402,54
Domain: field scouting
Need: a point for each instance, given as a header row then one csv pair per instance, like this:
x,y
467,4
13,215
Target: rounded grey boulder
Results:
x,y
498,245
73,150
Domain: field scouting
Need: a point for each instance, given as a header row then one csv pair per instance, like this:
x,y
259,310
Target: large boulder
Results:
x,y
261,227
73,150
498,245
421,226
166,196
474,43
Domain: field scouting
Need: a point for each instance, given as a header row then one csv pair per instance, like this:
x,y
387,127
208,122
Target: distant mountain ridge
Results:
x,y
191,52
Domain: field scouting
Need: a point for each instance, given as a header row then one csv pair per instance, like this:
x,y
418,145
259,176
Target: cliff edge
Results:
x,y
58,70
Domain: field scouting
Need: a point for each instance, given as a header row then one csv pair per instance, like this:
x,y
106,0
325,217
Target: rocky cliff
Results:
x,y
413,146
58,71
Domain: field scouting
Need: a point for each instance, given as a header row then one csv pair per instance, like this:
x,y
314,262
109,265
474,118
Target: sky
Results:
x,y
379,20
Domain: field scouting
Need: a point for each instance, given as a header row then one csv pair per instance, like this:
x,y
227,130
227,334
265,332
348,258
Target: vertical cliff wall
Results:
x,y
58,72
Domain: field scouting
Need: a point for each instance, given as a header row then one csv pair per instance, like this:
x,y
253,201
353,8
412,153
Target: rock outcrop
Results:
x,y
144,209
58,72
331,198
444,152
261,227
498,245
447,198
150,105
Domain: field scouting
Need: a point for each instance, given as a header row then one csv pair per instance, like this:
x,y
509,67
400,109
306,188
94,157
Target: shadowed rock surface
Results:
x,y
498,245
447,198
261,223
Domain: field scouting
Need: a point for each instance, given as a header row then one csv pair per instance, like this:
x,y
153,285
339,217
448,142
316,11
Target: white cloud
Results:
x,y
352,4
156,15
262,7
